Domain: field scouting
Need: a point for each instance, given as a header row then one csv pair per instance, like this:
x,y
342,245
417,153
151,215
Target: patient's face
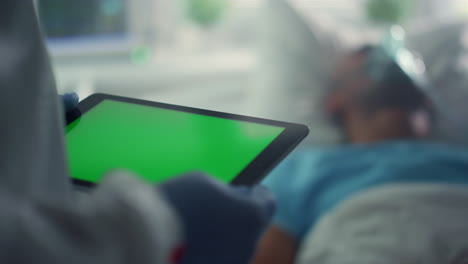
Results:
x,y
347,82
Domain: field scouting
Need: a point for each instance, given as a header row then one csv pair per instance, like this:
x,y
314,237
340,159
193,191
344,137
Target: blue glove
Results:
x,y
222,223
70,101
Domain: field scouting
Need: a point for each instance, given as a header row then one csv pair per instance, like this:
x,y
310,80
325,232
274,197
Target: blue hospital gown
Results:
x,y
312,182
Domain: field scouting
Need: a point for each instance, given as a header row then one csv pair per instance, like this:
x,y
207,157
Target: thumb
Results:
x,y
70,101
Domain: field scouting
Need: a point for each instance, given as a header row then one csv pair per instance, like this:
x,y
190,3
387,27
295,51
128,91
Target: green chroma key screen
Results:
x,y
158,143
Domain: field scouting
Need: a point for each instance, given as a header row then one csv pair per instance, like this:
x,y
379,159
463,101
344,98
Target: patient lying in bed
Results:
x,y
386,196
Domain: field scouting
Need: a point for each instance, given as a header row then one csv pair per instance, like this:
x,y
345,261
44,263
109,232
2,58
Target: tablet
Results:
x,y
158,141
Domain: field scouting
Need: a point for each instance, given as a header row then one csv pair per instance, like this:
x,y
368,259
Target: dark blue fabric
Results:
x,y
222,223
70,100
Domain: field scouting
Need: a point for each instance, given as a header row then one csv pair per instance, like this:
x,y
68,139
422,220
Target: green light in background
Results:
x,y
388,12
140,55
111,7
206,13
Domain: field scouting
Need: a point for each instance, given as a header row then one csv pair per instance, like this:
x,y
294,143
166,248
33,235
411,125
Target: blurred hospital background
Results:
x,y
267,58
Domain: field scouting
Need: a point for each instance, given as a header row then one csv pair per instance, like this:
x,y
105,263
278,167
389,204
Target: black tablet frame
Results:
x,y
257,169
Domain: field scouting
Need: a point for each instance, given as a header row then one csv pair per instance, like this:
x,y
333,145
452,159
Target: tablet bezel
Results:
x,y
257,169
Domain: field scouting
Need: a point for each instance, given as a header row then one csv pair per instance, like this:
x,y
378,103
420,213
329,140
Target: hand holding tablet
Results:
x,y
222,223
160,141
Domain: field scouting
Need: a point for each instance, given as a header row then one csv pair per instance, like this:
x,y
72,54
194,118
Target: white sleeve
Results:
x,y
122,221
32,156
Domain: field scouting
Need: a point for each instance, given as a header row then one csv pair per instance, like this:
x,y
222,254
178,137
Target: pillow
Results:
x,y
444,49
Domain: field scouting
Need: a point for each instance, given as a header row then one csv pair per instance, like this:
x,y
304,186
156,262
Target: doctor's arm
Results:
x,y
122,221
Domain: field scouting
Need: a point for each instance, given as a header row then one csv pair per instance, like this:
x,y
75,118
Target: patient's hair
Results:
x,y
394,90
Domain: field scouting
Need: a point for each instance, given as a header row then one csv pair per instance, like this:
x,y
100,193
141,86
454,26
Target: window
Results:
x,y
71,18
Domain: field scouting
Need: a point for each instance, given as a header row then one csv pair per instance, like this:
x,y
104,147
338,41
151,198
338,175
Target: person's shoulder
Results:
x,y
312,153
311,164
297,167
393,146
411,153
444,153
334,154
428,148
